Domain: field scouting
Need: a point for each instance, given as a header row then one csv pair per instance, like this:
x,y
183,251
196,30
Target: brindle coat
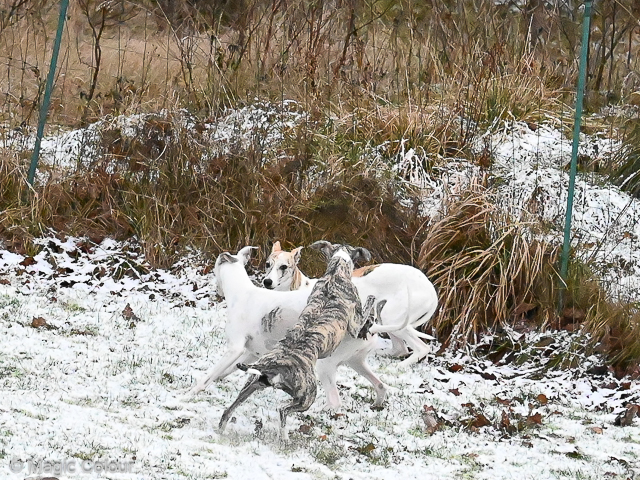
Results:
x,y
333,311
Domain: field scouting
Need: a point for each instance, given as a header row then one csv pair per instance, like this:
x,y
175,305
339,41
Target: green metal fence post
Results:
x,y
574,150
44,108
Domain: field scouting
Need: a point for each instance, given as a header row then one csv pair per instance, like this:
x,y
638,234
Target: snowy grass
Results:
x,y
103,382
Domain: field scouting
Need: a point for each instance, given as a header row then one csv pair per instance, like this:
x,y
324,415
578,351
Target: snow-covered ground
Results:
x,y
96,349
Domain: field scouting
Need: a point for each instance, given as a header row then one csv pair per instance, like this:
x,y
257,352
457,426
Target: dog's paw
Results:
x,y
410,360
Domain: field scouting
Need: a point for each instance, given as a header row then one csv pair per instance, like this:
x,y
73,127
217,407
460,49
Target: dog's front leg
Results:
x,y
227,362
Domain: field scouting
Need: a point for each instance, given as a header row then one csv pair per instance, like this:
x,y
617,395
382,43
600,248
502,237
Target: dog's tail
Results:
x,y
247,368
421,320
251,386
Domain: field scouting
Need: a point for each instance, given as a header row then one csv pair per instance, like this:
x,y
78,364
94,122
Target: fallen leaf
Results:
x,y
40,322
598,370
455,368
367,449
542,399
488,376
596,430
128,314
503,402
480,421
455,391
4,281
534,419
545,342
304,428
28,261
505,423
430,419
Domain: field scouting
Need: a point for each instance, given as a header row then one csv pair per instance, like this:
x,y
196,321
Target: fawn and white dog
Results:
x,y
258,318
388,281
332,314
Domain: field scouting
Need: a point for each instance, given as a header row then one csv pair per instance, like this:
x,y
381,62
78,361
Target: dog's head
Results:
x,y
328,249
240,259
280,268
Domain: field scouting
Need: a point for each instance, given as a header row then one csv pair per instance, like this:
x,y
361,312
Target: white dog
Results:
x,y
258,318
386,281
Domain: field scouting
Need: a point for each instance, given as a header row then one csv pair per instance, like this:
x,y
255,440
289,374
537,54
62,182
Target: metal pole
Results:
x,y
574,150
44,108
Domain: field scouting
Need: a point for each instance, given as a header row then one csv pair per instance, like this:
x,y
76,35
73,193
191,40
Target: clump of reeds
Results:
x,y
165,186
492,273
489,271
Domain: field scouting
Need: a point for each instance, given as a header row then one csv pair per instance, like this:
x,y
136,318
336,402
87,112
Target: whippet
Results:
x,y
333,312
258,318
387,281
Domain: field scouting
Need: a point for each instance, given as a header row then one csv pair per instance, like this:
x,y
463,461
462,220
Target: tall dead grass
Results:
x,y
489,272
477,59
165,187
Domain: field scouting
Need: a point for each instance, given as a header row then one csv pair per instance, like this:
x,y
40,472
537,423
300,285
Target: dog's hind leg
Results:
x,y
360,365
327,375
251,386
420,349
221,369
298,404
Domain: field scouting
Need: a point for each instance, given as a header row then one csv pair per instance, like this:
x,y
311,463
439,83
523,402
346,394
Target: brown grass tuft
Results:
x,y
489,271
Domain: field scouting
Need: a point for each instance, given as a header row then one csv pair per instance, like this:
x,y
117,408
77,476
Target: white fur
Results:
x,y
409,294
246,341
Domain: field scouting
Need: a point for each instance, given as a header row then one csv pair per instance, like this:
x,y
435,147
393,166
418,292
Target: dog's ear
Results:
x,y
379,308
245,254
360,255
276,247
226,257
296,254
323,246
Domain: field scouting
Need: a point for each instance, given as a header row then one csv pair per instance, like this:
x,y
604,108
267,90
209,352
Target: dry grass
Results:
x,y
186,197
490,274
472,59
488,271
